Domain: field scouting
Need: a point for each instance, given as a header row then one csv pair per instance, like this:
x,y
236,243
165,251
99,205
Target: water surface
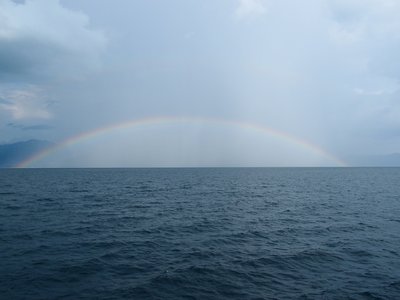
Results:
x,y
268,233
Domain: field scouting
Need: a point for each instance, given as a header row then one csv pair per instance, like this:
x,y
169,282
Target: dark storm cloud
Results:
x,y
41,39
42,42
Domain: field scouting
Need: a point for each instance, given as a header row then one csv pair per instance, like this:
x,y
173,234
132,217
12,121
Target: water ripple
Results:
x,y
200,234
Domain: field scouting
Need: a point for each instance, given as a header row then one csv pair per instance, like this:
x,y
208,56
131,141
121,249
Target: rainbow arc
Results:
x,y
163,120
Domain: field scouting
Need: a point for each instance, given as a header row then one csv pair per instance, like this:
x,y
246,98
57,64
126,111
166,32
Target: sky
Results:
x,y
239,82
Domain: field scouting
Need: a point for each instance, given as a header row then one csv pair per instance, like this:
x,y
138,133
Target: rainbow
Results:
x,y
170,119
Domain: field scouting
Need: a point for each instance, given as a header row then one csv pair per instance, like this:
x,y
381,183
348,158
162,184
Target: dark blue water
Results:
x,y
200,233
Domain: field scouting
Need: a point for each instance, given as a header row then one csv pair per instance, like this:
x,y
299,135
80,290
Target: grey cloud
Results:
x,y
30,127
326,76
25,102
370,28
246,8
346,11
52,42
38,127
4,101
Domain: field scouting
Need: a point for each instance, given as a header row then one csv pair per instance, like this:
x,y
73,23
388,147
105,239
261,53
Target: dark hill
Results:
x,y
12,154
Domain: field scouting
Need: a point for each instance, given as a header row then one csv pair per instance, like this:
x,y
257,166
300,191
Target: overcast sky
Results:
x,y
325,72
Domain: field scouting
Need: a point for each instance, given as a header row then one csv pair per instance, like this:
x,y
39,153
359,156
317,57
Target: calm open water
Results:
x,y
290,233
